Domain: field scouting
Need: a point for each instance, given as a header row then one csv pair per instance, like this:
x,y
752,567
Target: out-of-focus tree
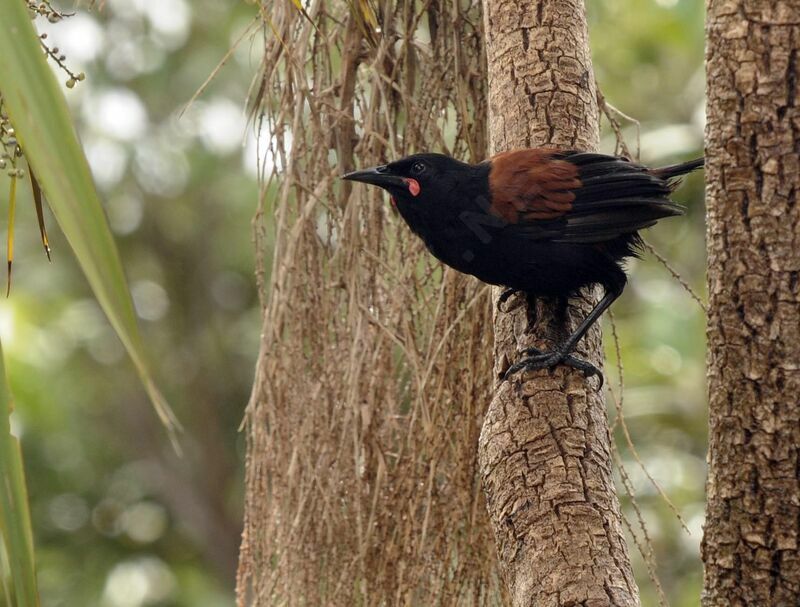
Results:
x,y
106,490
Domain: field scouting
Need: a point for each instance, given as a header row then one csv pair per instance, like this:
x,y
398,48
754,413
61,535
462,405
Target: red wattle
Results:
x,y
413,186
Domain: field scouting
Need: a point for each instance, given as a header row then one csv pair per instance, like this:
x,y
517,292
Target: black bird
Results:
x,y
542,221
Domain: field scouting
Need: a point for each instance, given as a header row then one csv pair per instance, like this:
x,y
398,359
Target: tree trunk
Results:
x,y
544,451
750,546
373,375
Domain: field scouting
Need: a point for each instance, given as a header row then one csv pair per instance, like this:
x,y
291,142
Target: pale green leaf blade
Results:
x,y
38,111
15,518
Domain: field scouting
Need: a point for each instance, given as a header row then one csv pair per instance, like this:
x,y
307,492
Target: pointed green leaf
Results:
x,y
38,111
38,203
15,518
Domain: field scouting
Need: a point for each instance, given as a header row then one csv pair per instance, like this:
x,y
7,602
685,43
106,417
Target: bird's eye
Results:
x,y
418,168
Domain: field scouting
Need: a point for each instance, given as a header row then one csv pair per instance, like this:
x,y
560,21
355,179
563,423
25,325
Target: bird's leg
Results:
x,y
536,359
569,344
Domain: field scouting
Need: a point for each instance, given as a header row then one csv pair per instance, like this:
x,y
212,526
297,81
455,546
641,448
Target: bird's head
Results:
x,y
417,182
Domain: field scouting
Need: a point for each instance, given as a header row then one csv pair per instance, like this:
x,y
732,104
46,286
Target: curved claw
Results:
x,y
537,359
504,297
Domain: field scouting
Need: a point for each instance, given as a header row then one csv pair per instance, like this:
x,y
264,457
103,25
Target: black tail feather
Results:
x,y
616,198
676,170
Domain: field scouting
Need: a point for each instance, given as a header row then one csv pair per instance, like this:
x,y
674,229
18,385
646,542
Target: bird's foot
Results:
x,y
536,359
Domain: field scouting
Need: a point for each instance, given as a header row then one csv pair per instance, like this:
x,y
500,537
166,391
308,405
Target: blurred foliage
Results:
x,y
648,56
118,519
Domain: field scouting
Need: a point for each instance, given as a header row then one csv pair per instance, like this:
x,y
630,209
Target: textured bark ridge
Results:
x,y
750,547
544,449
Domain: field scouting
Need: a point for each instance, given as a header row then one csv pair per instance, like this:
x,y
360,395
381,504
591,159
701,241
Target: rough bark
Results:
x,y
750,546
544,450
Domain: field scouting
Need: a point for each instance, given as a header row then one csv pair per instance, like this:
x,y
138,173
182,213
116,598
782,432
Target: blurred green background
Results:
x,y
119,521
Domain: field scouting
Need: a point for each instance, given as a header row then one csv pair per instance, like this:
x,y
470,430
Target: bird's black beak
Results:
x,y
377,176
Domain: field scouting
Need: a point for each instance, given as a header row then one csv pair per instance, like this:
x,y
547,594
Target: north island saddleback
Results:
x,y
542,221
